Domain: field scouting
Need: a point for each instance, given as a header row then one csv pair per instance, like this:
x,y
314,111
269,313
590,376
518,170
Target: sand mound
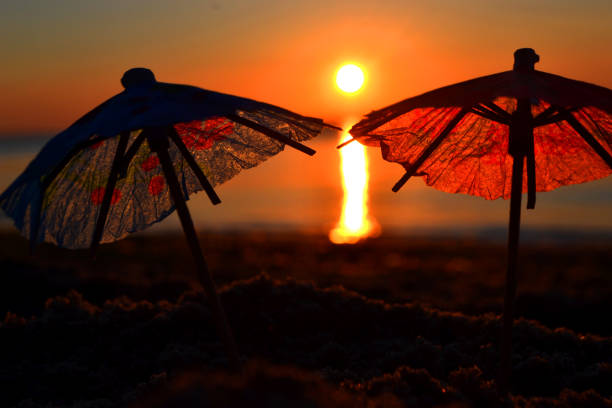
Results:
x,y
343,344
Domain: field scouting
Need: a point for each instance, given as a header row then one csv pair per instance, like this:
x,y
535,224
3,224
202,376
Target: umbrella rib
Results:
x,y
504,119
549,120
488,114
430,149
130,153
548,116
496,108
587,136
545,113
332,126
341,145
108,191
210,191
453,160
293,121
271,133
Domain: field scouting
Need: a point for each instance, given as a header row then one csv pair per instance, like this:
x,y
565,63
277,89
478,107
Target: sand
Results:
x,y
393,321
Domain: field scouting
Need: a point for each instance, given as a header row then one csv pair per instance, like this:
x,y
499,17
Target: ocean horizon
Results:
x,y
293,192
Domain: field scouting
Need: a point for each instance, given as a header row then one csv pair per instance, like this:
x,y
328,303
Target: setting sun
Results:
x,y
349,78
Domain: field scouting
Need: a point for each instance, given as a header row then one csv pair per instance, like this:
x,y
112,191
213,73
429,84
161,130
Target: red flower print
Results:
x,y
97,196
156,185
201,135
150,163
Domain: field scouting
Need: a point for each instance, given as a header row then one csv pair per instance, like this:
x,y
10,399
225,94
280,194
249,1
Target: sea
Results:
x,y
295,192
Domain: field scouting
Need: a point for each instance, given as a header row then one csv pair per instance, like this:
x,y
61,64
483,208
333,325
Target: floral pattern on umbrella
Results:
x,y
201,135
233,134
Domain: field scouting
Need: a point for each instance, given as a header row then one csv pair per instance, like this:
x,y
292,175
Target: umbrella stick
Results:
x,y
108,192
505,365
194,245
271,133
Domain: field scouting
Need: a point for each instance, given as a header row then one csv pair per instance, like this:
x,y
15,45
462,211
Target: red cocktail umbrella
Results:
x,y
480,136
137,157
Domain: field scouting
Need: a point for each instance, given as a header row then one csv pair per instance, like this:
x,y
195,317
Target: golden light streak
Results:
x,y
355,222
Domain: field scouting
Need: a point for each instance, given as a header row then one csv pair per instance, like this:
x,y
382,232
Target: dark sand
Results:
x,y
390,322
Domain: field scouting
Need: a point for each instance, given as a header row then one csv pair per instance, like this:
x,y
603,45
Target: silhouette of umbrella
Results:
x,y
131,161
479,136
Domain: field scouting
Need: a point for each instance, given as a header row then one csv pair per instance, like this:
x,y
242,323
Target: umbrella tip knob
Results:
x,y
137,76
525,59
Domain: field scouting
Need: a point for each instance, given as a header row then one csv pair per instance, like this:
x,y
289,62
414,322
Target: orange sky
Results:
x,y
62,58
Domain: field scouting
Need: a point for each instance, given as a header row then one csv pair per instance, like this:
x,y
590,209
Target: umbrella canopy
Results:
x,y
482,136
59,196
472,157
138,156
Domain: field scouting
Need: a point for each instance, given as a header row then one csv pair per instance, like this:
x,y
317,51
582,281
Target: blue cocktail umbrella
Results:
x,y
131,161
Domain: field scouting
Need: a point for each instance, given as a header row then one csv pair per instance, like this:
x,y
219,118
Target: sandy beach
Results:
x,y
392,321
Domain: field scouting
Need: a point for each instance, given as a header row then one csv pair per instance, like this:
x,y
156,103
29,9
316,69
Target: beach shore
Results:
x,y
392,321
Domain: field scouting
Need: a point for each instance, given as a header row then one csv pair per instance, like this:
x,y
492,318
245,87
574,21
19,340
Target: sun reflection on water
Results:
x,y
355,221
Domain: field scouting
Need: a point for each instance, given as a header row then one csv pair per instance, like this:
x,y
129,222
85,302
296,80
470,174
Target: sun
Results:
x,y
349,78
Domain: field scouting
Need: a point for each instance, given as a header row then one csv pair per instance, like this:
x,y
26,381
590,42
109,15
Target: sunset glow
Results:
x,y
355,221
349,78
